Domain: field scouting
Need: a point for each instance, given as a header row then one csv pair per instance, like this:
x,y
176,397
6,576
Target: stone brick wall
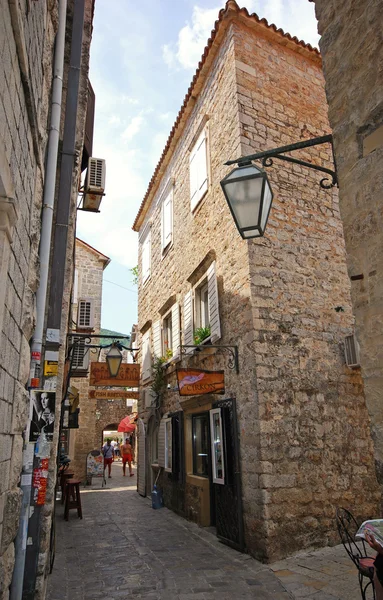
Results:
x,y
26,47
299,408
352,50
90,266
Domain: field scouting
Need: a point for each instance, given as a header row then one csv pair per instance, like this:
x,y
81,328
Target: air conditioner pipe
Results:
x,y
16,590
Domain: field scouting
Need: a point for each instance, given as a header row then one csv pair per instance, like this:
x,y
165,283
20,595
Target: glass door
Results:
x,y
217,454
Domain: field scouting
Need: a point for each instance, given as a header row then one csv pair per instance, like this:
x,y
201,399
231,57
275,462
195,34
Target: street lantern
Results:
x,y
249,196
114,359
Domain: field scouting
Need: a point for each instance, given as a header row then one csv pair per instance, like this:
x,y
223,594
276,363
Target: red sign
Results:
x,y
195,382
39,482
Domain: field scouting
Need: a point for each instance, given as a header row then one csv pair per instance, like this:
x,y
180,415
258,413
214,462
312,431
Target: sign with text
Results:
x,y
128,375
195,382
112,394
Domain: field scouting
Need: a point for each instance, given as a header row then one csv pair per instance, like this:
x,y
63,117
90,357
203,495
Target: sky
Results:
x,y
143,57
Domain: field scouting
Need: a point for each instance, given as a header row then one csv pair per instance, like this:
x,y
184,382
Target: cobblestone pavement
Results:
x,y
122,548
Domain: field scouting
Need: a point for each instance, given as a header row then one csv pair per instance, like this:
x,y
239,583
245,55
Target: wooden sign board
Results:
x,y
195,382
112,394
128,375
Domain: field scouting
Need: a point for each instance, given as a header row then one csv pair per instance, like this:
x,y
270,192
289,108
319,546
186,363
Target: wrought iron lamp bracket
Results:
x,y
230,351
267,159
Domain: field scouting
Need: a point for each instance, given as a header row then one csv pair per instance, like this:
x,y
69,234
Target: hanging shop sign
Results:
x,y
50,368
112,394
195,382
128,375
43,414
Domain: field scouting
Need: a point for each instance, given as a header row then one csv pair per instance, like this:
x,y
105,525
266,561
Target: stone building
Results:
x,y
351,47
27,40
268,462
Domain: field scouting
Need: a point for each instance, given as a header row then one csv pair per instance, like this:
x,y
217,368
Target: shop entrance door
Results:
x,y
226,474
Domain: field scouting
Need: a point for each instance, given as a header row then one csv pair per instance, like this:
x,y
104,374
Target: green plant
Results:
x,y
134,272
168,354
200,334
159,379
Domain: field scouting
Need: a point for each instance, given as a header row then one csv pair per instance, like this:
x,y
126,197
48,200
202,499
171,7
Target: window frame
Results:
x,y
205,415
219,480
146,242
167,325
168,435
201,304
201,137
167,198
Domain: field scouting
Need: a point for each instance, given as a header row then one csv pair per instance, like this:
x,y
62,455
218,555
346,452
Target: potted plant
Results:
x,y
201,334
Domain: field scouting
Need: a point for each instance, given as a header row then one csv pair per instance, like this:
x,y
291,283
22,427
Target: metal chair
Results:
x,y
356,549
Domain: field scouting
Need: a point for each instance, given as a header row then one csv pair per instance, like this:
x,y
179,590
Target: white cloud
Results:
x,y
133,128
293,16
191,39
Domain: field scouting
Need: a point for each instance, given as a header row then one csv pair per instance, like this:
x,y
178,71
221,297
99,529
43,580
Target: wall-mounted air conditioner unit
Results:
x,y
351,351
94,184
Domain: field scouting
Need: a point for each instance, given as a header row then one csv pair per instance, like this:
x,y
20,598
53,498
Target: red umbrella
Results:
x,y
126,426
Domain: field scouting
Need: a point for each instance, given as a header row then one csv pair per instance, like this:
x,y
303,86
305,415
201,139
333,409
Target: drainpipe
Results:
x,y
44,253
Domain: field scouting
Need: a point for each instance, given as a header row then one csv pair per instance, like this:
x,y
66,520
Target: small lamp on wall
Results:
x,y
98,414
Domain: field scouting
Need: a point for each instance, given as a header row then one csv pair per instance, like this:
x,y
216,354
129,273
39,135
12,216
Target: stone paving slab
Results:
x,y
122,548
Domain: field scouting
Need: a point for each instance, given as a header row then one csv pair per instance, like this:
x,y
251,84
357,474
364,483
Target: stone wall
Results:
x,y
89,266
27,32
310,407
351,47
299,407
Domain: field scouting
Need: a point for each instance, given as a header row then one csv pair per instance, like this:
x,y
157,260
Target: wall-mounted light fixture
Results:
x,y
248,191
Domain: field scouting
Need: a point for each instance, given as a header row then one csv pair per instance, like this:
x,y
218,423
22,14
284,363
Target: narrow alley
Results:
x,y
123,548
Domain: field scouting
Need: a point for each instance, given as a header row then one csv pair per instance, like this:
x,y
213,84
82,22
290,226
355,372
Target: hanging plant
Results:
x,y
200,334
159,379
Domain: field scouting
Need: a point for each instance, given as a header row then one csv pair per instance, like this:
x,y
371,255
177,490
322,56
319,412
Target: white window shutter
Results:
x,y
141,468
80,355
161,444
85,314
146,356
188,322
157,346
193,173
202,166
167,220
176,329
145,258
215,326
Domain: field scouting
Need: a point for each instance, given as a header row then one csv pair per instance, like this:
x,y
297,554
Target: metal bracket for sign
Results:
x,y
231,351
267,158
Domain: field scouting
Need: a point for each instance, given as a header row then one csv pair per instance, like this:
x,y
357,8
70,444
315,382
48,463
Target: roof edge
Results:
x,y
228,13
105,259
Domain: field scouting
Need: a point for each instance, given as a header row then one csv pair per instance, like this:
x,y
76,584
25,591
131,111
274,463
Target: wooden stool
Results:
x,y
72,497
65,475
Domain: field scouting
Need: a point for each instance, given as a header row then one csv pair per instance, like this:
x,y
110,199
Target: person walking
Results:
x,y
108,453
127,457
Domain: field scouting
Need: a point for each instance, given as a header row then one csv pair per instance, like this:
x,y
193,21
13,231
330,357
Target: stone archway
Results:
x,y
111,413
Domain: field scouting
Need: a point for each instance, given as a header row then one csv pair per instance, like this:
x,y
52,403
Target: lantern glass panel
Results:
x,y
267,199
245,199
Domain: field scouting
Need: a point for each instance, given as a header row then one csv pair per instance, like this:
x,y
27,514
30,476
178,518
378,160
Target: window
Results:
x,y
85,314
202,317
166,334
168,445
167,221
201,308
198,170
146,355
200,432
145,257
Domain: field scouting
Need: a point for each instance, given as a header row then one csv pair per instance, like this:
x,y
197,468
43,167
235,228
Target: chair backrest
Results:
x,y
347,528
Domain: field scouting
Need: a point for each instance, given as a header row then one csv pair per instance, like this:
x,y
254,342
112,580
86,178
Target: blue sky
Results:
x,y
143,57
